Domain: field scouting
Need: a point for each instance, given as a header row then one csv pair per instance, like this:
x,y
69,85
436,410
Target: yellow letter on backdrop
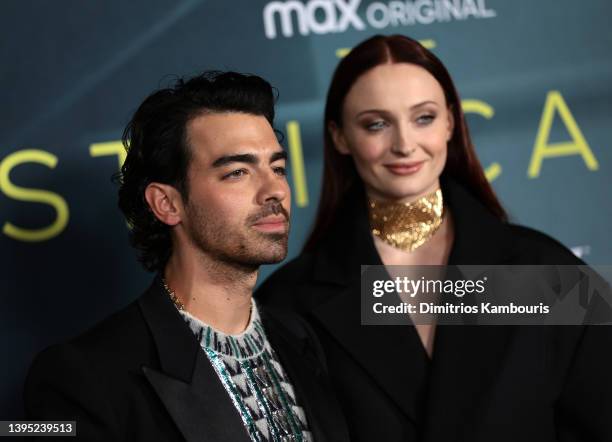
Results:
x,y
109,148
32,195
542,149
297,163
485,110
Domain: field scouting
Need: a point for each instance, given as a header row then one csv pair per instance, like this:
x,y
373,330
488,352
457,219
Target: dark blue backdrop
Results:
x,y
534,77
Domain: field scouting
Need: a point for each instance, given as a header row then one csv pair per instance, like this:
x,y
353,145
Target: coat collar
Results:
x,y
186,384
297,353
193,394
177,347
463,356
480,237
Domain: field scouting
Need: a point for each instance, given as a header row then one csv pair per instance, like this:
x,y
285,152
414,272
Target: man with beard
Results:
x,y
194,358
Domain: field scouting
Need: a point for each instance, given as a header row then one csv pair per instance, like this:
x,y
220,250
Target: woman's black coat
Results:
x,y
483,383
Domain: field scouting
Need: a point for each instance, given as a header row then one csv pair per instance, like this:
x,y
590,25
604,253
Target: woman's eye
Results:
x,y
235,173
424,120
376,125
281,171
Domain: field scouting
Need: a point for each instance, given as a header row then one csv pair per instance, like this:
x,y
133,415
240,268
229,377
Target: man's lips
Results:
x,y
404,168
271,223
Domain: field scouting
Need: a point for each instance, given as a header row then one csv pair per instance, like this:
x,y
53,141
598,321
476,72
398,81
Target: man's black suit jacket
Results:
x,y
484,383
141,375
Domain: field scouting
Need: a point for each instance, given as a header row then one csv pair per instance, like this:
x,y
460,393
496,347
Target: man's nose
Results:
x,y
273,188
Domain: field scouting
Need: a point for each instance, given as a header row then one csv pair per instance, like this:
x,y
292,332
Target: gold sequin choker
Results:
x,y
407,226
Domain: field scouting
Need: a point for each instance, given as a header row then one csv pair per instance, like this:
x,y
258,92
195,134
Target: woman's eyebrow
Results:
x,y
423,103
384,112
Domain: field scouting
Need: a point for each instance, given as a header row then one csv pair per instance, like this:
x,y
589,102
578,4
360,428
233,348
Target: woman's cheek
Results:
x,y
373,151
435,145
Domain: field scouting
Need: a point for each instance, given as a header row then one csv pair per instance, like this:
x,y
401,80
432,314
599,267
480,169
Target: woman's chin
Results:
x,y
406,193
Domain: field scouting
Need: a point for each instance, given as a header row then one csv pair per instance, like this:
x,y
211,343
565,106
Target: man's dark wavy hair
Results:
x,y
157,147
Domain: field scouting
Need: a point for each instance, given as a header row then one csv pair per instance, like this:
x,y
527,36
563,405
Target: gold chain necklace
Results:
x,y
179,305
407,226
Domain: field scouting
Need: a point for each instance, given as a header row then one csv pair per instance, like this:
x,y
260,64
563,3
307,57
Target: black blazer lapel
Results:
x,y
187,383
480,238
201,409
391,354
299,360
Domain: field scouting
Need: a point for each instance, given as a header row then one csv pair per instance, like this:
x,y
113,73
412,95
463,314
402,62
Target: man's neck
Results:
x,y
217,293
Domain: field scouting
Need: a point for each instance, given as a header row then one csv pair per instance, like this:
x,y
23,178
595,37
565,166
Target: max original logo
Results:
x,y
333,16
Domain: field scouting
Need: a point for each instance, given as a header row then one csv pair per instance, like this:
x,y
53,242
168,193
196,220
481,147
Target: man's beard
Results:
x,y
243,247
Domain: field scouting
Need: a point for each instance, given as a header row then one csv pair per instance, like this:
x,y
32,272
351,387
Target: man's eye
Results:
x,y
376,125
281,171
424,120
236,173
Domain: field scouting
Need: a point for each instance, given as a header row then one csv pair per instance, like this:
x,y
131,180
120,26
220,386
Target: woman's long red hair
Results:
x,y
339,172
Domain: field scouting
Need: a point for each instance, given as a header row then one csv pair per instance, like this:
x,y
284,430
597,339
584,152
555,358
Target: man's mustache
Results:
x,y
269,209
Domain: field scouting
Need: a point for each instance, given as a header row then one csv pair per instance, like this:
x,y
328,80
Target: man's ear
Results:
x,y
451,123
338,138
165,202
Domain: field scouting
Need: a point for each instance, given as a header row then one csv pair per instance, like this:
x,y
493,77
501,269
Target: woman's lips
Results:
x,y
404,168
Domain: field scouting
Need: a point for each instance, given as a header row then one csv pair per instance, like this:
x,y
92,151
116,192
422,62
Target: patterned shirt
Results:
x,y
254,379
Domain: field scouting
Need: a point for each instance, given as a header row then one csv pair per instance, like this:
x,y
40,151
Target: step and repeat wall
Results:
x,y
534,78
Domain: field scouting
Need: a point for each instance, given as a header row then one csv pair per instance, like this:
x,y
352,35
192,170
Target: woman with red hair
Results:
x,y
402,185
